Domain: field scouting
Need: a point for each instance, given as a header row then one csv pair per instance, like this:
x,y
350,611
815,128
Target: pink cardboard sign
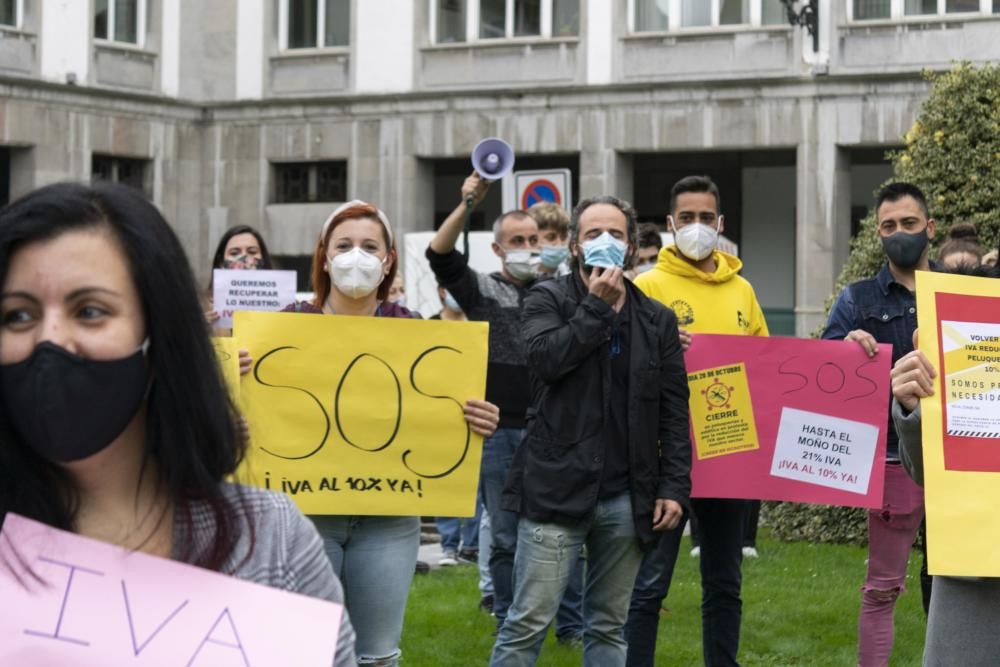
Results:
x,y
788,419
69,600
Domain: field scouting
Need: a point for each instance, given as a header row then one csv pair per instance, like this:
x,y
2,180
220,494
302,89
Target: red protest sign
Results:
x,y
788,419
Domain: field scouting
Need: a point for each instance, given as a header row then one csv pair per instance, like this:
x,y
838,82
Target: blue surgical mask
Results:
x,y
605,251
554,255
450,303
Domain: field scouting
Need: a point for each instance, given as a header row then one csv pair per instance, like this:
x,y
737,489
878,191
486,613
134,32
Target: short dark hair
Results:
x,y
649,235
191,423
895,191
220,250
626,208
695,184
516,214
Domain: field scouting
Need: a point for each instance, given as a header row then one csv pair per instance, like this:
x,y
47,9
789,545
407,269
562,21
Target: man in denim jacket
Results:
x,y
883,310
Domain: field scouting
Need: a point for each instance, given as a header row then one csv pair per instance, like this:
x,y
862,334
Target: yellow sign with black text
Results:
x,y
363,415
722,419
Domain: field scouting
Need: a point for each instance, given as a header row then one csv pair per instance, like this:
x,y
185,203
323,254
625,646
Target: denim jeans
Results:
x,y
375,557
720,529
498,453
485,547
546,556
457,532
891,532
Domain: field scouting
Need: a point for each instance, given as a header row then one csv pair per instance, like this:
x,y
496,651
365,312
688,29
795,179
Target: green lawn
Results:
x,y
800,607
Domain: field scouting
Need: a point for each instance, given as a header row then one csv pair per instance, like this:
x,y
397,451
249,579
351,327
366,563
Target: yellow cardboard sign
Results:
x,y
363,415
959,332
227,350
721,411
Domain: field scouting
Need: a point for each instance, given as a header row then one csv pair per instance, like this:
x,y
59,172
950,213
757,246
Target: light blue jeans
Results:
x,y
545,557
375,557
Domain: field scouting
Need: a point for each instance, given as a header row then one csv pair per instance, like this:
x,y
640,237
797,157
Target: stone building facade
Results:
x,y
268,112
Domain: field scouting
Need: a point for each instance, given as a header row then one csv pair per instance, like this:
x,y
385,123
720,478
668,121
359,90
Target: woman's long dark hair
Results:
x,y
220,250
191,432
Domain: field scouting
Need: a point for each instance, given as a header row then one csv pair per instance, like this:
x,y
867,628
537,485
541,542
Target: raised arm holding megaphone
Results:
x,y
492,159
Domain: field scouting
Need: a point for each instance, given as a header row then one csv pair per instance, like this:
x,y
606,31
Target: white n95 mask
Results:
x,y
356,273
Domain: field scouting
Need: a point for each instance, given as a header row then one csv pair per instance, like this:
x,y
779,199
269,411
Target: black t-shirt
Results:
x,y
614,479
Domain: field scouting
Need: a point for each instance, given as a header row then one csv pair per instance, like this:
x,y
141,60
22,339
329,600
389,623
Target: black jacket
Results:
x,y
556,471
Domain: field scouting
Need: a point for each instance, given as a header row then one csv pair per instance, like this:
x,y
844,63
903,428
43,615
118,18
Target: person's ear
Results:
x,y
931,228
390,261
498,251
722,224
670,224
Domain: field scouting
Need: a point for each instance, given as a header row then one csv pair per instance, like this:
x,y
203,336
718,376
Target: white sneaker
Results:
x,y
750,552
448,559
696,552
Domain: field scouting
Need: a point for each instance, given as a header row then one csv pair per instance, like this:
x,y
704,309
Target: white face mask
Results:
x,y
646,266
356,273
522,264
696,240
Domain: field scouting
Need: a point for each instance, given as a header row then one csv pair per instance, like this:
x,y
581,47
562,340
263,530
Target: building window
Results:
x,y
305,182
120,21
664,15
314,24
471,20
864,10
127,171
10,13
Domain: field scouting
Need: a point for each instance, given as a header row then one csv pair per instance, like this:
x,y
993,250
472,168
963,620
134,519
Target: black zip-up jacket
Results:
x,y
556,473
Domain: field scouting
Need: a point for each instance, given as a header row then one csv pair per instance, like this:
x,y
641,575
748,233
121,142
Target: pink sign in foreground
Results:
x,y
820,409
90,603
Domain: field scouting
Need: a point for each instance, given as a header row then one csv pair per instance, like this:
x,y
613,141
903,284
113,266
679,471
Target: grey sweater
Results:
x,y
911,451
287,551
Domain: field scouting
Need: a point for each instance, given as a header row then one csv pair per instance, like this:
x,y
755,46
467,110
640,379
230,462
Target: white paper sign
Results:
x,y
828,451
235,290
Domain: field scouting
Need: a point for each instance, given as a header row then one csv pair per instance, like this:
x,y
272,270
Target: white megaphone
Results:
x,y
492,158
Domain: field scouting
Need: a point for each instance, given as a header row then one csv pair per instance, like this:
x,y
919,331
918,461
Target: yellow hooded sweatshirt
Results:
x,y
720,303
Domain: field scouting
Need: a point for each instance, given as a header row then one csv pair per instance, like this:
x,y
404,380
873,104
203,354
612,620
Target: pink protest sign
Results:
x,y
788,419
69,600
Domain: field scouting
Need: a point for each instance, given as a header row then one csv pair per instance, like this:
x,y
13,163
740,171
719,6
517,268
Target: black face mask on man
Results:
x,y
905,249
68,408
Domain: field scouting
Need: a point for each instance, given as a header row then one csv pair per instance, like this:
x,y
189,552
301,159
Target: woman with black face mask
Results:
x,y
114,420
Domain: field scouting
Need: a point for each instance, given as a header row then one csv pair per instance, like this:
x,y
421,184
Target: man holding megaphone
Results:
x,y
497,298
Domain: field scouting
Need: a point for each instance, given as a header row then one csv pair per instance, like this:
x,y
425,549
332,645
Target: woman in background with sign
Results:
x,y
353,270
240,248
115,421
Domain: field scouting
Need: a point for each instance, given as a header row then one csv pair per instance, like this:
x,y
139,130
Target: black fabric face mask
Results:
x,y
68,408
905,250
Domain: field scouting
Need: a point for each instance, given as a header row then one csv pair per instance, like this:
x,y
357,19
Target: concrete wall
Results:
x,y
390,107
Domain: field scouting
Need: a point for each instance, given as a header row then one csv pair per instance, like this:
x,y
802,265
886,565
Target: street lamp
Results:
x,y
807,15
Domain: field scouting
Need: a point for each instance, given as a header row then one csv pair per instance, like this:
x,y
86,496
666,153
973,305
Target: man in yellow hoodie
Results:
x,y
703,287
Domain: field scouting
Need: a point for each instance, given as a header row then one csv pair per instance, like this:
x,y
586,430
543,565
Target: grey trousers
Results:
x,y
962,624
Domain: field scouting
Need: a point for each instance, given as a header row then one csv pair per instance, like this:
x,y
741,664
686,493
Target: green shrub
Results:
x,y
952,153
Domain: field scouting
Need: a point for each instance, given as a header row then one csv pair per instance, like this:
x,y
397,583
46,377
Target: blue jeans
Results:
x,y
457,532
375,557
546,556
720,530
485,547
498,453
